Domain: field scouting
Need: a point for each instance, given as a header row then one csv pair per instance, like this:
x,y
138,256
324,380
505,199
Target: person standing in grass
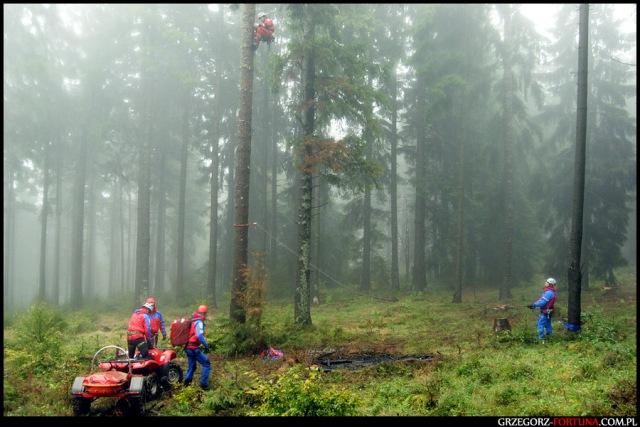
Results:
x,y
157,322
193,352
545,304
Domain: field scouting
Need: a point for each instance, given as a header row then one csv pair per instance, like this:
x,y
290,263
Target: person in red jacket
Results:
x,y
139,331
193,352
264,30
157,322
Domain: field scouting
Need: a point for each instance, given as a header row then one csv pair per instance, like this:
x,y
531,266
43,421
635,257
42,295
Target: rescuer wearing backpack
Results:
x,y
192,349
139,331
545,304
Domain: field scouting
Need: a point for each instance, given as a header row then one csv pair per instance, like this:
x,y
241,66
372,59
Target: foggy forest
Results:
x,y
368,201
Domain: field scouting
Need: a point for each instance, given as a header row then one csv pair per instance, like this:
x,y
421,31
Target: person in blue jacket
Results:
x,y
193,352
545,303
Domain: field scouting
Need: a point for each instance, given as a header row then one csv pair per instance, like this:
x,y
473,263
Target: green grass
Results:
x,y
474,372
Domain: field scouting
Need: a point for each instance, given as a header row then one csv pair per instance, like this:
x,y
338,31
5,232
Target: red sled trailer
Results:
x,y
131,381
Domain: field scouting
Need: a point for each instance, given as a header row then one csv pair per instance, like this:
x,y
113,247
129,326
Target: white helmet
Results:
x,y
262,15
551,281
148,305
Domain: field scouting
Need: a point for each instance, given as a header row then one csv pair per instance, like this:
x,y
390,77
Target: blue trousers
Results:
x,y
193,356
544,322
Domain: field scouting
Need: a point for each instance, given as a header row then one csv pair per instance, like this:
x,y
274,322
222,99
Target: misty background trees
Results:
x,y
392,147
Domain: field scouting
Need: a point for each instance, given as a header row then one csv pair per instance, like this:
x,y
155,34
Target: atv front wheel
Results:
x,y
80,405
174,375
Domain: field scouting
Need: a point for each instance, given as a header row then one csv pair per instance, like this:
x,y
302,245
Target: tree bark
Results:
x,y
457,295
419,273
113,241
302,301
89,285
181,202
273,226
43,232
237,310
395,269
122,251
365,279
78,224
8,234
574,274
213,217
56,262
143,238
160,231
507,180
229,218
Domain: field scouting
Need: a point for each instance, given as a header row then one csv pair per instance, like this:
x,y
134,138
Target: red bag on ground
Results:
x,y
179,331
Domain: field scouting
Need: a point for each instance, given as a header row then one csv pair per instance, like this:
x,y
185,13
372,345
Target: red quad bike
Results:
x,y
131,381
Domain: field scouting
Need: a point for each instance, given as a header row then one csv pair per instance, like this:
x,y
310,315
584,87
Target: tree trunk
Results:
x,y
302,302
230,214
365,279
457,295
122,251
507,179
113,252
213,217
78,224
575,242
264,156
419,274
181,202
143,239
130,243
56,262
160,233
8,237
89,285
395,269
43,233
273,226
237,310
315,239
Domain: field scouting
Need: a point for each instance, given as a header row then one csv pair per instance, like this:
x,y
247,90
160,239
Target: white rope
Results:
x,y
295,255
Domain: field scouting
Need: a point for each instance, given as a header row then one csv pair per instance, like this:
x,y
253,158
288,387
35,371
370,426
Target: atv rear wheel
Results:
x,y
174,375
152,386
80,405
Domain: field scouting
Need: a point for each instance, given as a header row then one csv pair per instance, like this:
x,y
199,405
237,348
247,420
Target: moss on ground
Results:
x,y
474,373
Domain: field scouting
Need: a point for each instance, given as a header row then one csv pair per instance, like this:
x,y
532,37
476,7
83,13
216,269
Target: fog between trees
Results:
x,y
441,132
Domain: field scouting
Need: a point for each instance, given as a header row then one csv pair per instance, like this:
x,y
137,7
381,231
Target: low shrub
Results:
x,y
226,395
300,392
39,334
240,339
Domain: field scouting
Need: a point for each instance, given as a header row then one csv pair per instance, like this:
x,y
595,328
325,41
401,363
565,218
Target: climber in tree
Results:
x,y
264,30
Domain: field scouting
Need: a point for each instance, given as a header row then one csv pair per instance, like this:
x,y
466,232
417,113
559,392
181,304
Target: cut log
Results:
x,y
501,324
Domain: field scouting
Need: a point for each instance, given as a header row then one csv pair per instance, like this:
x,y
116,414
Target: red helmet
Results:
x,y
202,309
151,300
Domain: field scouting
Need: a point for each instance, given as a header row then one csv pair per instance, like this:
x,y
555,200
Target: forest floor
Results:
x,y
454,363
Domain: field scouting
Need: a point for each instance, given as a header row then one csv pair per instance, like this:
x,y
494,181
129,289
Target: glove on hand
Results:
x,y
206,350
531,306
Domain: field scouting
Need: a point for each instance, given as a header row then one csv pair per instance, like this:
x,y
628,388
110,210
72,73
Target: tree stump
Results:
x,y
501,324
